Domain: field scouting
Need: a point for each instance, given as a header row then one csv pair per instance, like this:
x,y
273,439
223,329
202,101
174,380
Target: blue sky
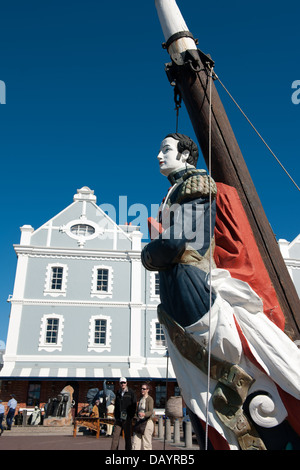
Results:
x,y
88,102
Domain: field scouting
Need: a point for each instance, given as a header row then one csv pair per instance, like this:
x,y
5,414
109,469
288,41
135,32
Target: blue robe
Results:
x,y
184,290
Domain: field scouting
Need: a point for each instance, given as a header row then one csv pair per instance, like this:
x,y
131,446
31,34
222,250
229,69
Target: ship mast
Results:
x,y
189,70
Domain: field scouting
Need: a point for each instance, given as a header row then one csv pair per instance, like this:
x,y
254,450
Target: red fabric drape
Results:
x,y
236,250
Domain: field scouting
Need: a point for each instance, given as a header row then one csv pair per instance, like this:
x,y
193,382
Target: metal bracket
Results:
x,y
176,36
195,59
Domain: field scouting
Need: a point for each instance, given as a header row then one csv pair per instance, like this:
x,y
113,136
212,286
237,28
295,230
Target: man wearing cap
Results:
x,y
125,408
1,416
11,409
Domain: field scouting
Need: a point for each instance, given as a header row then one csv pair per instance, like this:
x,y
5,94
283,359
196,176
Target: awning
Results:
x,y
18,372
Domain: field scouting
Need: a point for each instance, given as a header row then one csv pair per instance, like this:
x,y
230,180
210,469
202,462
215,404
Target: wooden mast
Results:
x,y
189,69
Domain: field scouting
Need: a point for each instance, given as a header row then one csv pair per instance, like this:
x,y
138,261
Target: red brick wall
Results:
x,y
50,389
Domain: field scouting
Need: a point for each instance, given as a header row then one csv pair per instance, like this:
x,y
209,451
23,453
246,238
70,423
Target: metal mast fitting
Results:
x,y
179,41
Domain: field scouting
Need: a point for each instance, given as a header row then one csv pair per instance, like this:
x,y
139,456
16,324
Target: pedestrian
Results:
x,y
11,409
110,415
125,408
2,410
143,430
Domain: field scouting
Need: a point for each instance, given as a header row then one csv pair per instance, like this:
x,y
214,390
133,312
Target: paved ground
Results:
x,y
52,442
62,439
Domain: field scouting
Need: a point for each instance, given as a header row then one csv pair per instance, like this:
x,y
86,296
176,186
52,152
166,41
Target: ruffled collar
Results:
x,y
178,176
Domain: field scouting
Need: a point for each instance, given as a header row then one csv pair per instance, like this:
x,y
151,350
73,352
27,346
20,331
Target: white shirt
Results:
x,y
12,403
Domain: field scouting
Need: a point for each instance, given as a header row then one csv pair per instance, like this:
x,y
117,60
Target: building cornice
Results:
x,y
81,303
99,358
71,253
292,263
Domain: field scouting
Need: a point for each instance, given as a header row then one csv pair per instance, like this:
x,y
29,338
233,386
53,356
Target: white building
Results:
x,y
83,307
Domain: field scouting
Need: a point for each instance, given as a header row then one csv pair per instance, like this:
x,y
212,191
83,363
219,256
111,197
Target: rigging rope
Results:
x,y
253,127
177,100
210,257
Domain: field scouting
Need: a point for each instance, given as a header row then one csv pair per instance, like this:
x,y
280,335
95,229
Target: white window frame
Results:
x,y
47,288
82,239
153,295
92,346
50,347
98,293
154,347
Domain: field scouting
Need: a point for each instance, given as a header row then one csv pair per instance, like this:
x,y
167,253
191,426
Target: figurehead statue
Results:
x,y
206,312
177,151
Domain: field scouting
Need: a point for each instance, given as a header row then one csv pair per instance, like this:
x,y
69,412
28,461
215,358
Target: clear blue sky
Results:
x,y
88,103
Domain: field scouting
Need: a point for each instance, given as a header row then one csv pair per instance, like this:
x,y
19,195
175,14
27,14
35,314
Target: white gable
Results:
x,y
82,224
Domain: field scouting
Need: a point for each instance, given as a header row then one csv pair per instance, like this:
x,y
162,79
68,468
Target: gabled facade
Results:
x,y
83,307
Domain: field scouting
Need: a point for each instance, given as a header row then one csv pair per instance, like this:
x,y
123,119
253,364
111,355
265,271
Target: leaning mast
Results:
x,y
189,69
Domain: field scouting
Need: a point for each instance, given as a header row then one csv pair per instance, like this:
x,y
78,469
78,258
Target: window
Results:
x,y
102,281
51,332
83,230
160,396
160,339
156,284
33,394
99,333
56,279
158,342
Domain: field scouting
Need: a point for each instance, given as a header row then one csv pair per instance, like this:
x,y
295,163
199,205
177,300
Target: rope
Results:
x,y
177,100
259,135
210,259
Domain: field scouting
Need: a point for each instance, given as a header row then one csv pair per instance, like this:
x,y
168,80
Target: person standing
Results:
x,y
11,409
125,408
2,410
110,414
143,431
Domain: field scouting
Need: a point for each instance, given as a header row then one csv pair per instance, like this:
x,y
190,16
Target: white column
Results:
x,y
136,281
136,239
20,279
16,310
135,334
26,232
13,333
136,312
49,233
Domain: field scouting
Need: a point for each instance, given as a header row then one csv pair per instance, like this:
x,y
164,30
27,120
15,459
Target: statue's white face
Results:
x,y
169,158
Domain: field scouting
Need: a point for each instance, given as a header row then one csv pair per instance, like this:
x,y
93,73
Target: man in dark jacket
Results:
x,y
125,408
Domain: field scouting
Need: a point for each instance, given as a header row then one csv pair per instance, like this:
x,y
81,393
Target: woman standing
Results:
x,y
143,430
